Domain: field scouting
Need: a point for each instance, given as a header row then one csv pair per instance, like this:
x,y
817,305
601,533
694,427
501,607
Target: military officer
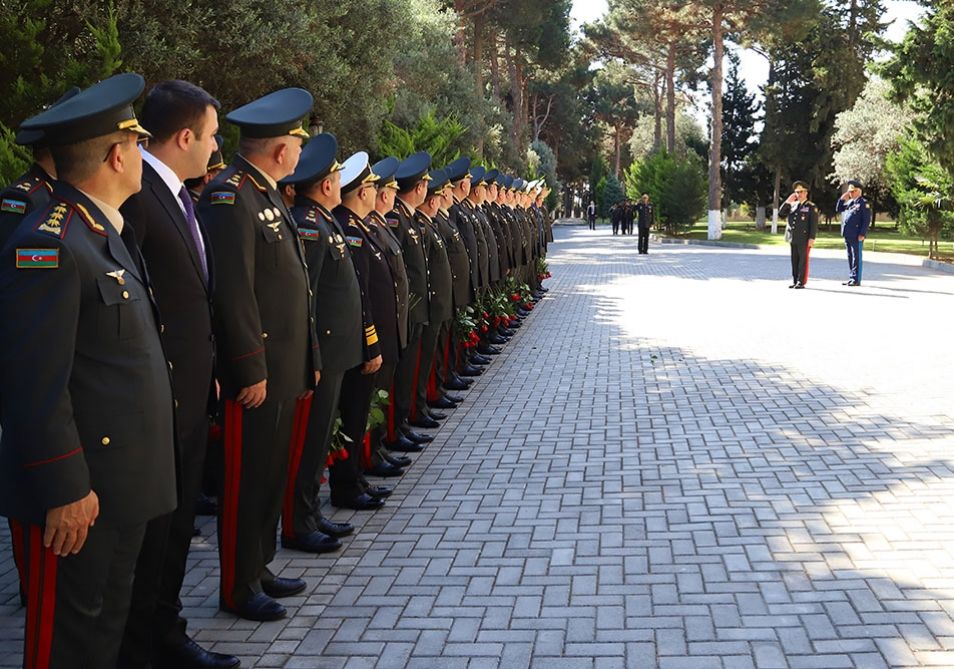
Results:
x,y
339,328
32,189
645,219
266,345
87,450
358,194
801,230
856,219
463,220
382,463
440,299
411,176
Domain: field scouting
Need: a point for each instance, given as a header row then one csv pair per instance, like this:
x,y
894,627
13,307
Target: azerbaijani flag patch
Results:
x,y
38,258
355,241
222,197
310,235
11,206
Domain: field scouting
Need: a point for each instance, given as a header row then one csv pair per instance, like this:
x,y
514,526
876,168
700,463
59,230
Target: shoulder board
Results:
x,y
55,222
312,215
236,179
309,234
11,205
355,241
38,258
222,197
89,220
28,185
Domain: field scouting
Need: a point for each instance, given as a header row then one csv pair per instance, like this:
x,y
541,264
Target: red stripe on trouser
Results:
x,y
366,451
299,431
233,474
432,383
448,345
16,538
417,376
47,609
392,428
808,253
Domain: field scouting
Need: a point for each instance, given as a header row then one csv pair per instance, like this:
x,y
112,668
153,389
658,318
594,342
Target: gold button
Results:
x,y
121,281
327,332
264,335
125,294
105,441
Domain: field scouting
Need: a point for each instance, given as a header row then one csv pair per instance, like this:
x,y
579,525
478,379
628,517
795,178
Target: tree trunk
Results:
x,y
657,103
775,194
495,64
715,141
460,35
671,99
760,217
479,55
617,149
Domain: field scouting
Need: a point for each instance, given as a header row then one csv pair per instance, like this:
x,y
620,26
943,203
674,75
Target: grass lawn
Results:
x,y
883,237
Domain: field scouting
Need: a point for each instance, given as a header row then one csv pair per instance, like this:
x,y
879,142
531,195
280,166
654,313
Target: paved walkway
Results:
x,y
678,463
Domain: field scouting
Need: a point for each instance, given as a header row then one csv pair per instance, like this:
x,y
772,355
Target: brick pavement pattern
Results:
x,y
676,464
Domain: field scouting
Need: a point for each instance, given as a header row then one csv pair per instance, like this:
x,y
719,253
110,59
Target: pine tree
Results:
x,y
739,114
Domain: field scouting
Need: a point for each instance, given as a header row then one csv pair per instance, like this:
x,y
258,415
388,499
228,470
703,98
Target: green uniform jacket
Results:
x,y
28,193
401,224
441,276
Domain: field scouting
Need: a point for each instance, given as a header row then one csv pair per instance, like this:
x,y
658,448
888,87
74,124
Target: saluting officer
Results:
x,y
264,330
32,189
87,453
339,328
645,219
856,219
801,230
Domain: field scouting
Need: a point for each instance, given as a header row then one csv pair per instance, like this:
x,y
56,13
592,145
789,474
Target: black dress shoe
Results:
x,y
514,325
396,460
479,360
280,587
456,384
187,654
442,403
799,286
456,399
385,470
522,313
470,370
417,437
379,491
425,422
437,415
793,285
333,529
362,502
313,542
403,445
260,608
487,349
496,339
507,332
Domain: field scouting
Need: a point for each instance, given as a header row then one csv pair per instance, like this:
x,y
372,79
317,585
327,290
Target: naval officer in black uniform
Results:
x,y
645,219
264,331
87,452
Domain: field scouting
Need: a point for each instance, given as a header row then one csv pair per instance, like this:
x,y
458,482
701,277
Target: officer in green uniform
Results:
x,y
87,452
801,230
266,345
32,189
338,314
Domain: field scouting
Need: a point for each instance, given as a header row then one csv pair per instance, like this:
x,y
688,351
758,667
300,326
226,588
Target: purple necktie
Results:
x,y
193,224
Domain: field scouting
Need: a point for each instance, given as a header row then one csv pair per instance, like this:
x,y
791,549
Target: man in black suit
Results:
x,y
183,121
265,343
87,455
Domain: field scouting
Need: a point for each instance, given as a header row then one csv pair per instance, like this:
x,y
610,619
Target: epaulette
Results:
x,y
260,187
89,220
29,185
56,222
236,179
312,215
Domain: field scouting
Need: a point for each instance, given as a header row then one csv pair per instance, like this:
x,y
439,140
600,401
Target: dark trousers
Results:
x,y
77,606
256,464
615,227
444,361
592,221
643,240
800,263
310,437
383,380
854,247
404,375
428,351
154,616
344,477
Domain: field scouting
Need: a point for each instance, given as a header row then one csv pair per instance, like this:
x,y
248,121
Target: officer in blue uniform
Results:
x,y
856,219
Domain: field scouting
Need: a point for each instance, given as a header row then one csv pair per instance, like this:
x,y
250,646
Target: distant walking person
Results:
x,y
801,230
591,215
645,219
616,215
856,220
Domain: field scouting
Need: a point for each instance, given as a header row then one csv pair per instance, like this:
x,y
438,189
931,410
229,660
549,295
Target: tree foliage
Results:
x,y
676,185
